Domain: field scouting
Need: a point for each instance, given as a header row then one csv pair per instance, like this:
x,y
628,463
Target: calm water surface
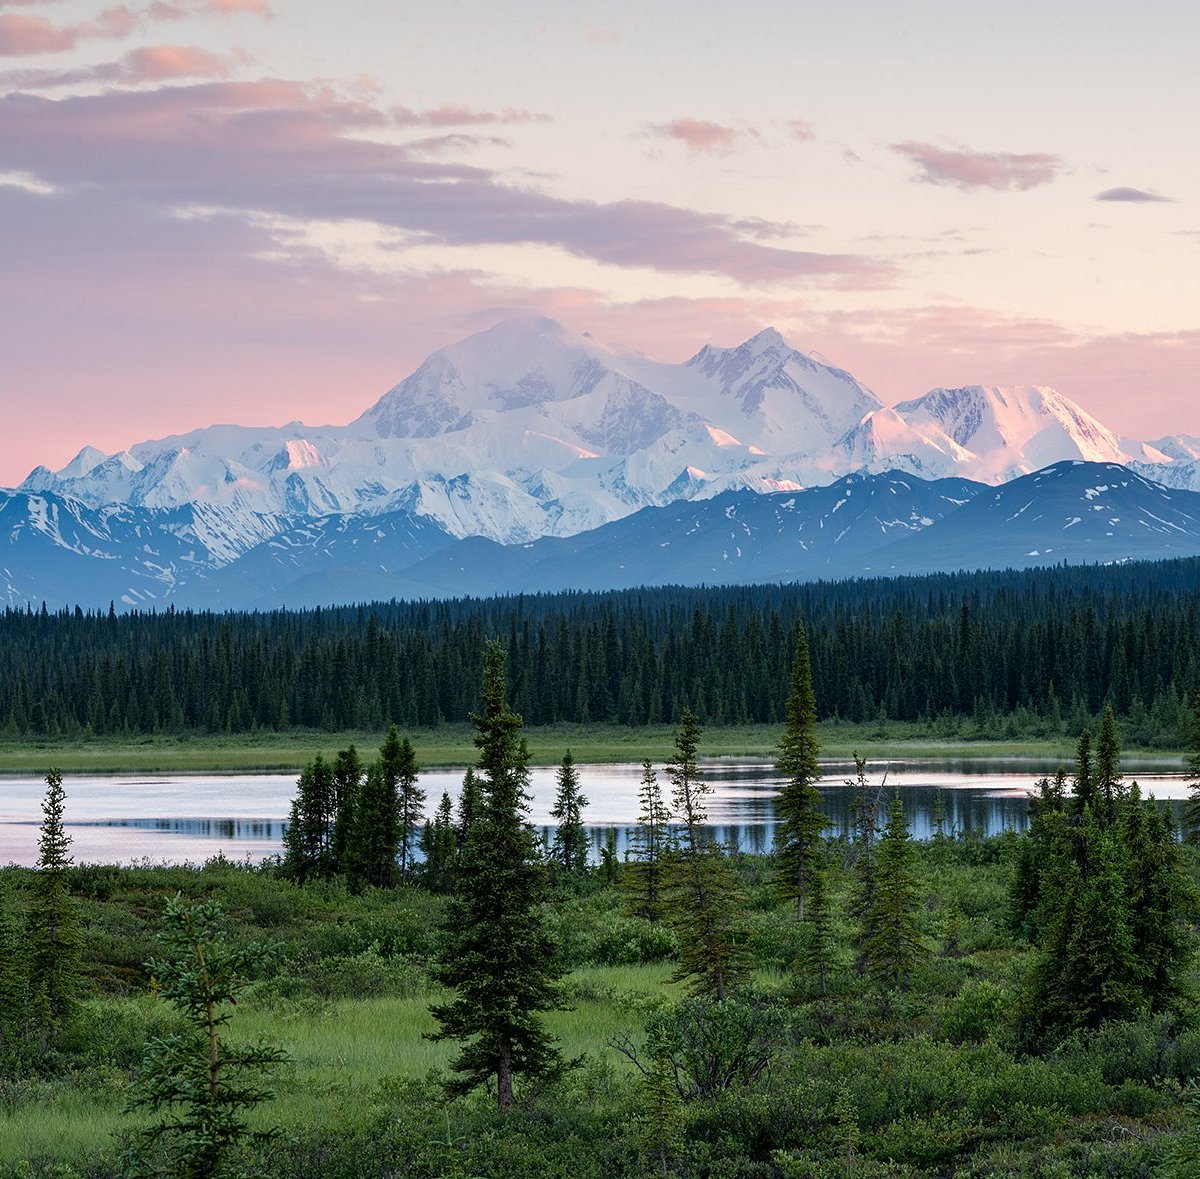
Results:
x,y
188,818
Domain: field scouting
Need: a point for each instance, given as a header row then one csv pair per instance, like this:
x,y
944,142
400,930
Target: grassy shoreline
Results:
x,y
451,745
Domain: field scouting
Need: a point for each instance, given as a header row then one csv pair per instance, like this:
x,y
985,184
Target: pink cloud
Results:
x,y
451,115
603,35
180,9
156,63
151,63
22,36
699,135
232,7
801,129
975,169
280,147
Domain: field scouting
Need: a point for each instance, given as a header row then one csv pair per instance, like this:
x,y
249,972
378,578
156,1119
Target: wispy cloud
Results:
x,y
452,115
1132,196
969,170
26,35
305,153
699,135
801,129
151,63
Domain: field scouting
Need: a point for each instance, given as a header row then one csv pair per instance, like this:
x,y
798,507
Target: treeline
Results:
x,y
1016,651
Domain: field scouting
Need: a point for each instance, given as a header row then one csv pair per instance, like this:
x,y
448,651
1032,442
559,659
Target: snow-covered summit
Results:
x,y
529,429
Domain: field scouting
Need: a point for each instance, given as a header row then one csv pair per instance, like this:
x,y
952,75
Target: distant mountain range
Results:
x,y
65,553
526,457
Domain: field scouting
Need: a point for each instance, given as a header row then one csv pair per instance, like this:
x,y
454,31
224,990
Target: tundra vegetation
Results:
x,y
434,992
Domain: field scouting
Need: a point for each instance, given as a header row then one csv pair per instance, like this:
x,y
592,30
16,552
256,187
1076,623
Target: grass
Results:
x,y
451,745
340,1052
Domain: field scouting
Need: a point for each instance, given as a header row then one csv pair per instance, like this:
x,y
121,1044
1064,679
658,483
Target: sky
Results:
x,y
257,211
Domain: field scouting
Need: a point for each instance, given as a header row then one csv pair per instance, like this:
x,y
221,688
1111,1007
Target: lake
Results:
x,y
119,818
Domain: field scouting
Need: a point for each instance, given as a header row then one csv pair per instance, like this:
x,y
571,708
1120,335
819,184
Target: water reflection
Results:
x,y
188,818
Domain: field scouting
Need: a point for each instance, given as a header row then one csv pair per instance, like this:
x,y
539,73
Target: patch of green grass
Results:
x,y
450,745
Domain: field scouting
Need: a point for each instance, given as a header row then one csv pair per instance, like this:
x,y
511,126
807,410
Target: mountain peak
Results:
x,y
765,340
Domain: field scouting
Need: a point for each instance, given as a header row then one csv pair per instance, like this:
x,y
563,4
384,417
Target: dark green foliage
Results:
x,y
1191,813
891,936
705,902
1104,895
469,805
710,1045
52,933
969,654
798,804
308,842
1160,901
495,953
14,978
1108,777
1085,774
1088,971
1034,851
644,874
375,838
816,956
200,1086
864,833
570,850
347,784
439,844
398,767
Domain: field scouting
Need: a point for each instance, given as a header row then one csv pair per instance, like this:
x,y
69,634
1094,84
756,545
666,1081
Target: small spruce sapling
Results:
x,y
200,1086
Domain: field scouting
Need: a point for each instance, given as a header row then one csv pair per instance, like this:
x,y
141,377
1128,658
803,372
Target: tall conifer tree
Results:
x,y
570,841
892,940
651,843
1191,811
52,925
707,903
496,954
1108,777
798,805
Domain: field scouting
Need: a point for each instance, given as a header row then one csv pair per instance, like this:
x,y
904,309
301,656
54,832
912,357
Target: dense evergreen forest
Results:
x,y
862,1006
1012,652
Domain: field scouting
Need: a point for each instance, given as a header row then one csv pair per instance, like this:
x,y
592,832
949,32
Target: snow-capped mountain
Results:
x,y
988,433
528,430
64,553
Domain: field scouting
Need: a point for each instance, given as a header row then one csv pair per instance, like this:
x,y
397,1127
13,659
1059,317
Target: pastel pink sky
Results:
x,y
228,210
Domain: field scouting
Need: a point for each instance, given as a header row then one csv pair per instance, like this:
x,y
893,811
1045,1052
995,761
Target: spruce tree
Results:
x,y
52,923
375,839
651,845
201,1085
816,931
495,953
706,901
1160,900
439,843
570,848
469,805
398,761
798,804
1087,971
1107,778
347,784
1085,774
308,840
1191,810
892,940
864,832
